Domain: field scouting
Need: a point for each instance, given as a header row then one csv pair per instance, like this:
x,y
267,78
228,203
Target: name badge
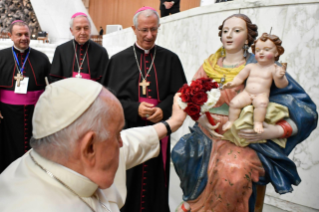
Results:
x,y
23,88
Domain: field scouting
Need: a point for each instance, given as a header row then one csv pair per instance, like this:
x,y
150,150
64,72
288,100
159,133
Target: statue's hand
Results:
x,y
203,121
228,85
280,71
270,131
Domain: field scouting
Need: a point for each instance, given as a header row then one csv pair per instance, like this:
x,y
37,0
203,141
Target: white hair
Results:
x,y
72,20
62,143
146,13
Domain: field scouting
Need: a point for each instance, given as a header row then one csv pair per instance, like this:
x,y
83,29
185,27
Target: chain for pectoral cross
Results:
x,y
144,84
77,60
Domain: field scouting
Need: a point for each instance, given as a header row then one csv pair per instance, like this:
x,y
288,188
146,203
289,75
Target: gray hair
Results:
x,y
72,20
62,143
146,13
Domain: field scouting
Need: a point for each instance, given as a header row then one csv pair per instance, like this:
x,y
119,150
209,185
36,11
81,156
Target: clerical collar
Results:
x,y
20,50
77,182
146,51
84,44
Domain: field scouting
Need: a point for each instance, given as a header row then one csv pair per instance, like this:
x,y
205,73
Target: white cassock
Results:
x,y
26,187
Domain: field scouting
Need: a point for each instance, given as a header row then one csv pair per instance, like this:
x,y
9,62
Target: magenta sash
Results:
x,y
11,98
84,75
164,141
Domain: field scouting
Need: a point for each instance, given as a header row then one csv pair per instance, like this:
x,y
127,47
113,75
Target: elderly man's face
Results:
x,y
81,29
146,31
107,154
20,36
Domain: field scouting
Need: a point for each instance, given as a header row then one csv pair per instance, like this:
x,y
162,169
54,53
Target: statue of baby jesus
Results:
x,y
267,50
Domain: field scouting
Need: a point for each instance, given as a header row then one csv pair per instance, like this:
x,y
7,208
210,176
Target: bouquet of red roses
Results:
x,y
199,97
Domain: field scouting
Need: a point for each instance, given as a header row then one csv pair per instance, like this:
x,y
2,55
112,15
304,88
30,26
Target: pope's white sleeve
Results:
x,y
139,145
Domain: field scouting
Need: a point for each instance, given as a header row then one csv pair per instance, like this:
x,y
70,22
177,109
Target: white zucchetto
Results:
x,y
62,103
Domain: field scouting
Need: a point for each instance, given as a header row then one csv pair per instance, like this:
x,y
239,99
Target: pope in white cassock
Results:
x,y
76,163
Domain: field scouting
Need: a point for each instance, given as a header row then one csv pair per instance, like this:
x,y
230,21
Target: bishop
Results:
x,y
145,77
79,57
16,108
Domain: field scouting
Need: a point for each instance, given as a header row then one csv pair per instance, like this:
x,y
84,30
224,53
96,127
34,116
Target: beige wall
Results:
x,y
108,12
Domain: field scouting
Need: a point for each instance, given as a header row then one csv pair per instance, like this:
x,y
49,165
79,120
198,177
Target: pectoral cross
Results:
x,y
18,78
144,84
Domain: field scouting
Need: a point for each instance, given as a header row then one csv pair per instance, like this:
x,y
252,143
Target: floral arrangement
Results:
x,y
198,97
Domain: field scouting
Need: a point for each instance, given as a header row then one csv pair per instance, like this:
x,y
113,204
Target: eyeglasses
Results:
x,y
144,31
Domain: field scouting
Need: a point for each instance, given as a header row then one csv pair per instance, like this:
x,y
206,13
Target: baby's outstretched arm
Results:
x,y
280,77
240,78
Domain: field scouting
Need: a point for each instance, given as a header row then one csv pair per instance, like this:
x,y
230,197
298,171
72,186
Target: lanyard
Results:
x,y
20,69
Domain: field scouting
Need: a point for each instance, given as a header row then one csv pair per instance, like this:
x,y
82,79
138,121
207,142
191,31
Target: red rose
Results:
x,y
183,88
186,97
193,111
215,85
208,84
185,93
195,117
196,86
199,98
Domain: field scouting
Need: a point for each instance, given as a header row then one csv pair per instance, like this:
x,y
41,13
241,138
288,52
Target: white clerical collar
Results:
x,y
20,50
77,182
146,51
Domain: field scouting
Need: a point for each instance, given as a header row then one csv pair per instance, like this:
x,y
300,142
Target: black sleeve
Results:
x,y
47,68
105,77
103,66
111,80
56,67
176,80
130,110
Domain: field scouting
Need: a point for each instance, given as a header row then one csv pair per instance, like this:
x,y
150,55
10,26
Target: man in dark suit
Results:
x,y
169,7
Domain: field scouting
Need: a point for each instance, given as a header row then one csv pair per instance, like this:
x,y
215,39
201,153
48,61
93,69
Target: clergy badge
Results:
x,y
23,88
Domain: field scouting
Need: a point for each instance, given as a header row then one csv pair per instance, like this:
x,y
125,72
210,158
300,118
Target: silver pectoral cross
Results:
x,y
144,84
78,75
18,78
